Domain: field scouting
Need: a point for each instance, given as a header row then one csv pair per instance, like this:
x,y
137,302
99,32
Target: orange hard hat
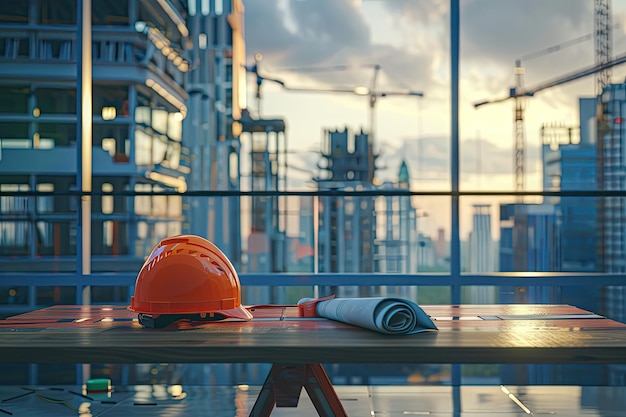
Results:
x,y
186,276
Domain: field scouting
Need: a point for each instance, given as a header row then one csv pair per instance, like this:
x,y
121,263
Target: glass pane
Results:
x,y
143,148
56,100
14,99
57,12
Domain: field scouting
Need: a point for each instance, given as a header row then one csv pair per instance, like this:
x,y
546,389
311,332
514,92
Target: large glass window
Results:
x,y
14,12
109,13
14,99
112,138
15,47
15,237
106,97
62,134
45,204
14,130
56,100
57,12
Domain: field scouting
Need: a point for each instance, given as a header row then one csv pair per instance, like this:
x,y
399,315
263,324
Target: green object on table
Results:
x,y
98,384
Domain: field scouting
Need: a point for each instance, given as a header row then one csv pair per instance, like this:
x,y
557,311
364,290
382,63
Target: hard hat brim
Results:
x,y
237,313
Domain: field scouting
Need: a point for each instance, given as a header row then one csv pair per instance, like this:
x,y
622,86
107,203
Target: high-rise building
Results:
x,y
347,225
612,210
481,253
570,164
166,84
139,64
481,240
216,85
266,168
529,241
396,244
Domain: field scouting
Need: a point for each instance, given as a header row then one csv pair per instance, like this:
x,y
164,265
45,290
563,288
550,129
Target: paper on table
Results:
x,y
387,315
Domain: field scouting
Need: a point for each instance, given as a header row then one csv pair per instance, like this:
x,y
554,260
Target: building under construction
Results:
x,y
347,225
167,78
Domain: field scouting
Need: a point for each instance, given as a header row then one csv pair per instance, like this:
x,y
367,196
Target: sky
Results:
x,y
410,40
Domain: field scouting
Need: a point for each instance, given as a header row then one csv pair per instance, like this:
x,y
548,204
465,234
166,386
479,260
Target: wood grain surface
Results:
x,y
467,334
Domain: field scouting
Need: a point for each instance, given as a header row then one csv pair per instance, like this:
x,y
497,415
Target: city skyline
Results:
x,y
410,40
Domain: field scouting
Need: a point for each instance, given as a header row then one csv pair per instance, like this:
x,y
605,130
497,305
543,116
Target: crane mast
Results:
x,y
602,27
602,22
520,135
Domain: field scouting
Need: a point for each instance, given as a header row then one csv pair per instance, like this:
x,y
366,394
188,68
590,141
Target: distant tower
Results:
x,y
397,248
407,223
481,241
403,176
481,253
267,144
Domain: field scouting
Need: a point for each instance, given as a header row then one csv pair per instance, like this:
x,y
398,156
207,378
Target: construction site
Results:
x,y
178,130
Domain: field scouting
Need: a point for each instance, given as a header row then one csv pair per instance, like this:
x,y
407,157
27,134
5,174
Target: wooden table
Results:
x,y
500,334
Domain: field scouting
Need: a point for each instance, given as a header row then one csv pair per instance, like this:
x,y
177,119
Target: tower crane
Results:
x,y
259,78
372,93
602,27
602,22
254,69
520,93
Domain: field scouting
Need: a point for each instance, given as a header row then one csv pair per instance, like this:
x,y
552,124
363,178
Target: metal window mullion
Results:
x,y
455,255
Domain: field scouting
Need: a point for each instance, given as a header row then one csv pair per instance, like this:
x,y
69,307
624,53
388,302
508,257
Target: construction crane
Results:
x,y
602,36
602,26
519,94
254,69
602,22
259,78
371,92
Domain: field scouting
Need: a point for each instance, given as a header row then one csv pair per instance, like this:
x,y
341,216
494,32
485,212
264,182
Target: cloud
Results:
x,y
508,29
305,35
410,39
494,33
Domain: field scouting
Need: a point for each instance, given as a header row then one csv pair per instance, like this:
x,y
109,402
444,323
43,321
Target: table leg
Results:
x,y
283,386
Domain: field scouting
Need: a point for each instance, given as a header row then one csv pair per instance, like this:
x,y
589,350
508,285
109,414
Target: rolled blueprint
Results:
x,y
382,314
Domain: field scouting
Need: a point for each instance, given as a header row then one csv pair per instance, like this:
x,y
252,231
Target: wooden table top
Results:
x,y
467,334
